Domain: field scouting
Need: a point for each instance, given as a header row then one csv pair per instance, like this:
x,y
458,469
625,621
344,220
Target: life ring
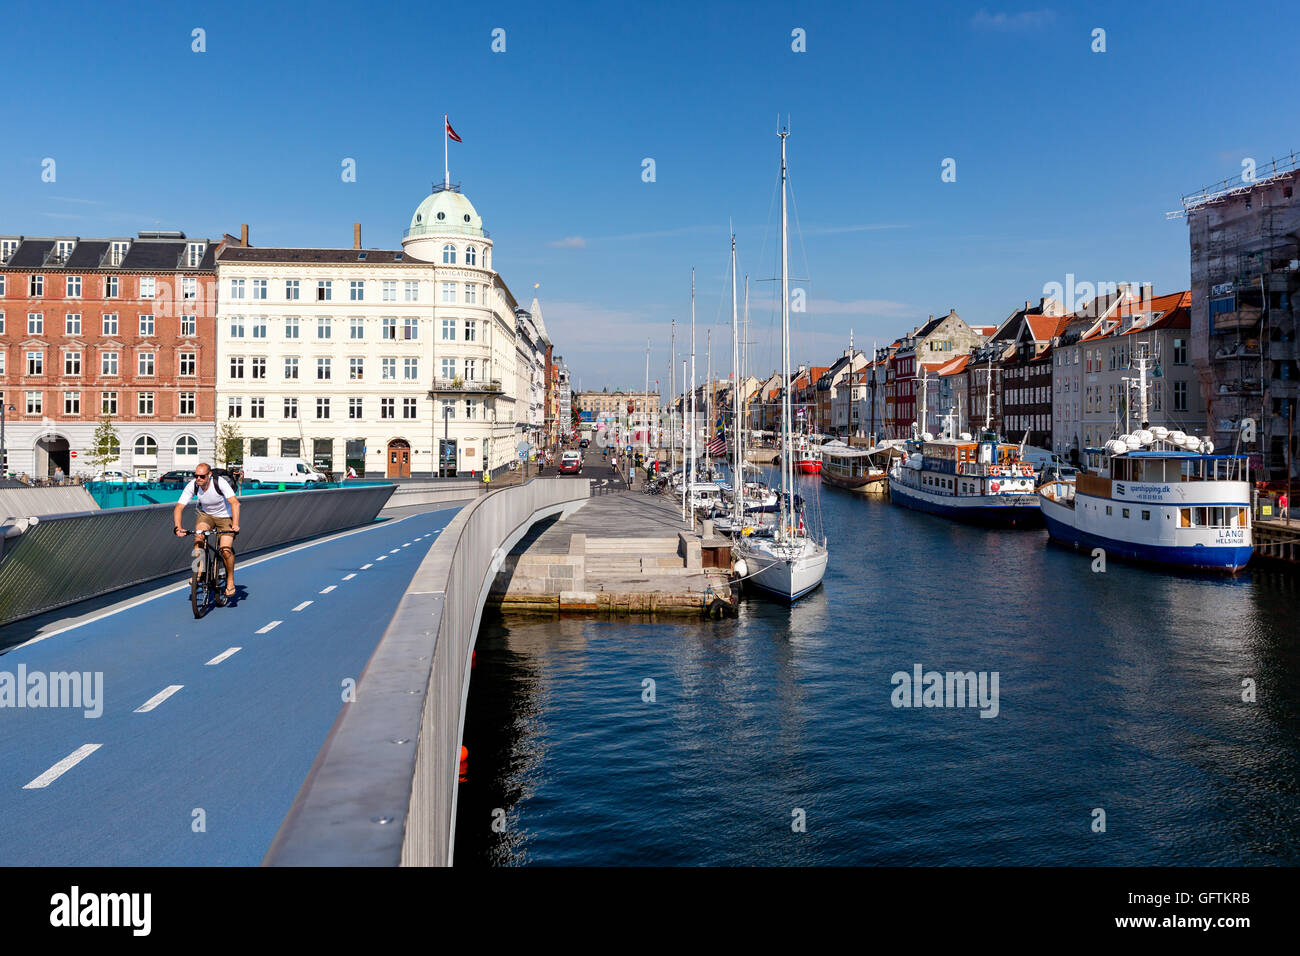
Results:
x,y
993,487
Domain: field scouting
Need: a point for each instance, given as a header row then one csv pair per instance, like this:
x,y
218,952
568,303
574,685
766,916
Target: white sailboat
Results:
x,y
789,563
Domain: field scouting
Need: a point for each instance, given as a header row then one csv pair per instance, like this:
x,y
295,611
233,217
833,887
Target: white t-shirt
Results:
x,y
212,500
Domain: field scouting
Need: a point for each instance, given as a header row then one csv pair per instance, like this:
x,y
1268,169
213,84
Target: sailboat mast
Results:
x,y
787,473
672,390
708,401
738,460
690,475
645,408
988,396
686,466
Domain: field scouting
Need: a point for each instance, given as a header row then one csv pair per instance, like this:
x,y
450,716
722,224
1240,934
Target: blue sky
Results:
x,y
1066,159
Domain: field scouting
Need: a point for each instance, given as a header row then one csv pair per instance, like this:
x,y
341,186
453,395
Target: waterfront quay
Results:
x,y
621,552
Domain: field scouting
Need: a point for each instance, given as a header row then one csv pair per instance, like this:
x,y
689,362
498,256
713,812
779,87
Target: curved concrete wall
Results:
x,y
382,791
70,557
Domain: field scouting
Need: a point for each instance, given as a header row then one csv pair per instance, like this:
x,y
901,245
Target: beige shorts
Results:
x,y
206,522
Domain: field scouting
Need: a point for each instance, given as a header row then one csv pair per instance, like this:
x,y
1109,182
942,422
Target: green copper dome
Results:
x,y
446,212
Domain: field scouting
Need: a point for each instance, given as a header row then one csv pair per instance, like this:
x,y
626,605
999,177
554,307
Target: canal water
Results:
x,y
773,738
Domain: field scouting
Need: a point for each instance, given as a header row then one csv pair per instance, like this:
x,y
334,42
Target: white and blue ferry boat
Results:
x,y
980,480
1156,496
1161,497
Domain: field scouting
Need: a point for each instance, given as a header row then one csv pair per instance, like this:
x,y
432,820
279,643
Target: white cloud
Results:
x,y
1025,20
571,242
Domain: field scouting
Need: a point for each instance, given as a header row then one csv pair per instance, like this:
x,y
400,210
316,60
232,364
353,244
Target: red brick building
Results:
x,y
119,327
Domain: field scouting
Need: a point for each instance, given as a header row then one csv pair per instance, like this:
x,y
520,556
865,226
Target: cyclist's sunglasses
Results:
x,y
206,474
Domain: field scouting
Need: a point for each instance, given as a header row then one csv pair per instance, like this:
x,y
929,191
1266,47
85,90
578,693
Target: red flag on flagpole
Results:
x,y
451,132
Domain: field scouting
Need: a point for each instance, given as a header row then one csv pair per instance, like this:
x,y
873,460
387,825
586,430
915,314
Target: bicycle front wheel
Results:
x,y
199,593
218,582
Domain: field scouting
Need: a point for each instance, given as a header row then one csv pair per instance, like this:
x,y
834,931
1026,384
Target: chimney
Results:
x,y
243,235
356,235
1026,305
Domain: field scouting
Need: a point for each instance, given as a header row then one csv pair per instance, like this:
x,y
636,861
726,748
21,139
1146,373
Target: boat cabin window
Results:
x,y
1212,517
986,454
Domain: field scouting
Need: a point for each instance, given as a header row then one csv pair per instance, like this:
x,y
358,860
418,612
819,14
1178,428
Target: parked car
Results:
x,y
571,463
585,443
176,477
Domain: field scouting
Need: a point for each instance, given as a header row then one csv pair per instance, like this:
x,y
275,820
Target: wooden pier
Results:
x,y
619,553
1277,540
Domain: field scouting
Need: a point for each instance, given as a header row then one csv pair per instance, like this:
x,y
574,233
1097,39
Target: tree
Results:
x,y
105,446
230,445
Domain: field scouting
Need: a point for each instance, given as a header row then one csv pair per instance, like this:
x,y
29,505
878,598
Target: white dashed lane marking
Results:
x,y
270,627
222,656
381,557
158,698
303,605
407,545
364,566
349,577
329,589
394,551
63,766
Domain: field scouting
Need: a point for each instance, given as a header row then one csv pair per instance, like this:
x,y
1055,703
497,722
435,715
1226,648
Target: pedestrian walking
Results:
x,y
1283,503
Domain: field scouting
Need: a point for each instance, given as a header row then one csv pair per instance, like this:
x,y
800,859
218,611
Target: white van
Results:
x,y
270,471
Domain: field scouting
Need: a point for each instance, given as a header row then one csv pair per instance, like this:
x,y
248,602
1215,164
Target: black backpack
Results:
x,y
226,474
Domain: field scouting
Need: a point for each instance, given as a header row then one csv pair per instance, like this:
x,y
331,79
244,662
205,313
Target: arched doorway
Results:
x,y
52,452
399,458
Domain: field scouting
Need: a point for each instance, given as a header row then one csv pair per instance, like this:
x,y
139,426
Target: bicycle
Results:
x,y
208,580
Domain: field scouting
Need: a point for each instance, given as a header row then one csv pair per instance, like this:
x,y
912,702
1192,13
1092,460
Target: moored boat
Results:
x,y
863,470
1160,497
982,480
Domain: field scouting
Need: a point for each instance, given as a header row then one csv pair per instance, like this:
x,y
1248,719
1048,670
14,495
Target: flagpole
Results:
x,y
446,169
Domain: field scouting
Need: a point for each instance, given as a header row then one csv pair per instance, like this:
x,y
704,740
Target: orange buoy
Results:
x,y
464,764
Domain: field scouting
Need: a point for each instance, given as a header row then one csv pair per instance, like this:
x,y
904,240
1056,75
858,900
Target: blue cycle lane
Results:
x,y
206,774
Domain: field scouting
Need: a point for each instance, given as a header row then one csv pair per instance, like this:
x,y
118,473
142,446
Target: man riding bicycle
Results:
x,y
218,511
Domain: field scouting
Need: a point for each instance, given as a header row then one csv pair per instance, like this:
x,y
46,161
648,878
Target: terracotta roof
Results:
x,y
1046,327
956,365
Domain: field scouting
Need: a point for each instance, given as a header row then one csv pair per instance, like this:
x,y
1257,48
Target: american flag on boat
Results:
x,y
718,445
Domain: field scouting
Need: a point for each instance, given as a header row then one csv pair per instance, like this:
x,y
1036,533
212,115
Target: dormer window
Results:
x,y
63,248
449,255
194,254
442,215
7,248
117,252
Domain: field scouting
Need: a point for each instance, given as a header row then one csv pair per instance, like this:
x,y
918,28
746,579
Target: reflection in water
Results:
x,y
1120,690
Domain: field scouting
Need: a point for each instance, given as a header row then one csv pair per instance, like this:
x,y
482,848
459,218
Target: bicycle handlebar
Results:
x,y
184,531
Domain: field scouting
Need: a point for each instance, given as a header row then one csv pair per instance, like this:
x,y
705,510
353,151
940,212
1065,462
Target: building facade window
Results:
x,y
322,408
112,288
386,406
356,290
236,366
291,368
449,330
324,290
356,328
356,369
34,403
35,363
257,407
145,403
108,363
388,369
147,287
74,287
389,287
324,327
291,327
259,289
449,255
408,407
72,323
72,363
290,408
292,289
411,369
354,408
187,407
35,323
257,367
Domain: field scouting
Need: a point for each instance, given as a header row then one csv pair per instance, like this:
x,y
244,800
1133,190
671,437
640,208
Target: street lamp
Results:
x,y
4,457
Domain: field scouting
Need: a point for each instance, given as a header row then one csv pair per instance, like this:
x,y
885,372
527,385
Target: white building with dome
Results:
x,y
394,363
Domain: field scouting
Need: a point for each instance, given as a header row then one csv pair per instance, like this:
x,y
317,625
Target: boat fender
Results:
x,y
739,566
993,487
